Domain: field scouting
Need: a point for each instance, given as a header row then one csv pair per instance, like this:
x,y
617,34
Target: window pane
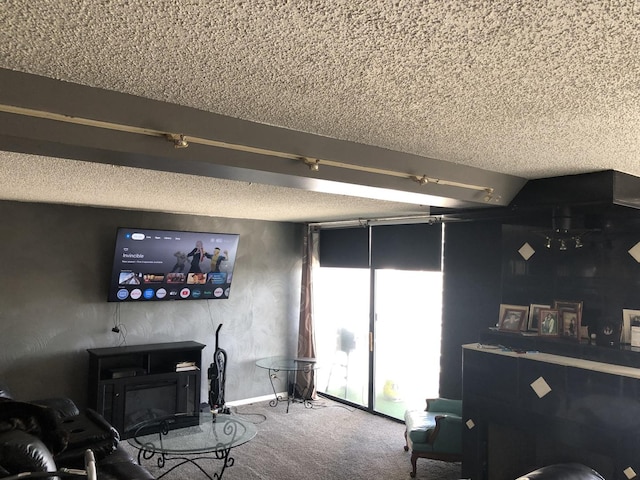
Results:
x,y
407,339
341,318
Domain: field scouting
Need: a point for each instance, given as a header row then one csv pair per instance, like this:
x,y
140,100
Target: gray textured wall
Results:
x,y
56,263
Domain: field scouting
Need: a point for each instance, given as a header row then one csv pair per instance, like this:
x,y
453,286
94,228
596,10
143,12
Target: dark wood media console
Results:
x,y
131,384
532,409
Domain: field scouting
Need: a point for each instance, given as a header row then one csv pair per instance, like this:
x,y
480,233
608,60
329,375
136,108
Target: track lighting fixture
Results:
x,y
312,163
178,140
563,242
562,234
423,180
488,194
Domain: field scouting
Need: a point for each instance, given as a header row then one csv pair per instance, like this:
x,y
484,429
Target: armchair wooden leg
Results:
x,y
406,441
414,459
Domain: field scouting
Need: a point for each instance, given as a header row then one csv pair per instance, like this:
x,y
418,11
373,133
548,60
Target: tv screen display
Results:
x,y
172,265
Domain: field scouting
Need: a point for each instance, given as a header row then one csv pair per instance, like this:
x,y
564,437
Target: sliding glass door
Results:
x,y
377,321
408,311
341,317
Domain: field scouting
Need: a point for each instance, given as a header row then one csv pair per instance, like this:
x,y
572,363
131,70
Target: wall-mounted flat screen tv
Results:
x,y
172,265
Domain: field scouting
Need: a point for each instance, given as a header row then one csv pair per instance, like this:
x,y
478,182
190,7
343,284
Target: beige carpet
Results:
x,y
328,441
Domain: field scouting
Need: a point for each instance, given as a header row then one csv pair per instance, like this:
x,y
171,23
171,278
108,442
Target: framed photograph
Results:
x,y
573,312
630,318
512,317
549,325
570,324
533,324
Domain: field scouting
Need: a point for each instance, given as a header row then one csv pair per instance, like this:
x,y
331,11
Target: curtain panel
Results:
x,y
305,381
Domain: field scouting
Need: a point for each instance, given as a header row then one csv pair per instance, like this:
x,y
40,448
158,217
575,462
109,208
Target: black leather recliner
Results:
x,y
45,435
563,471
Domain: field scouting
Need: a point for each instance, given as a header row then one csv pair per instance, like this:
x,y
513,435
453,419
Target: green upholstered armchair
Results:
x,y
435,432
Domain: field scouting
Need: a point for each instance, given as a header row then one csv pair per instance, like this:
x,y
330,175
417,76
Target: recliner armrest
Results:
x,y
34,419
120,465
88,430
21,452
62,406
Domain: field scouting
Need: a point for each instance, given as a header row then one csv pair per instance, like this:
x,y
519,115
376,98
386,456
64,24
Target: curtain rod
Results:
x,y
366,222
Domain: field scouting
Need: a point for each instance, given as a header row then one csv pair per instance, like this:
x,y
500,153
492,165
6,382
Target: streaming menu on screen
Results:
x,y
172,265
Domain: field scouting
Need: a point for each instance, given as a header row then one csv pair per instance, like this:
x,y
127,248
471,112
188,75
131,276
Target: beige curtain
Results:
x,y
306,343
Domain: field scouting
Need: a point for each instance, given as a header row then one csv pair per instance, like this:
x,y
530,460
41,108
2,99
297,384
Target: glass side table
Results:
x,y
292,366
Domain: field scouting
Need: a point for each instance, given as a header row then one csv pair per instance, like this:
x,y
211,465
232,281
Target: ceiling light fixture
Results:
x,y
562,234
180,141
423,180
312,163
489,194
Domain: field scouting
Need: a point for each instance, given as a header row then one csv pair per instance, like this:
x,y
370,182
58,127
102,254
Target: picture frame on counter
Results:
x,y
533,324
549,325
513,317
569,318
630,334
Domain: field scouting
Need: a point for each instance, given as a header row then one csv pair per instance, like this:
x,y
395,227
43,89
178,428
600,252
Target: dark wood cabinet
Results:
x,y
132,384
527,410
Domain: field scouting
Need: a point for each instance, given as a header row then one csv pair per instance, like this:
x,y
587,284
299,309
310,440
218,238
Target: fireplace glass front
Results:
x,y
147,401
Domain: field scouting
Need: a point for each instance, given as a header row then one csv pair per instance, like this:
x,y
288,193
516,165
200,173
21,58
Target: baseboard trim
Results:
x,y
264,398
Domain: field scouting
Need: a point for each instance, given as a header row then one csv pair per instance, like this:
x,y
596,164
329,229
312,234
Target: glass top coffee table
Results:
x,y
189,438
293,366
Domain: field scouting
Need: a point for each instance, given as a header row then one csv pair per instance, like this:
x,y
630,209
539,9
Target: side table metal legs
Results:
x,y
294,367
291,386
274,374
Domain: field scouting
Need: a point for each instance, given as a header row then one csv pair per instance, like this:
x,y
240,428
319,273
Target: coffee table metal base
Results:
x,y
190,439
148,451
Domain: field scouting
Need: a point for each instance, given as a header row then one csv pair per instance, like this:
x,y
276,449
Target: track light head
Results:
x,y
312,163
488,194
423,180
179,141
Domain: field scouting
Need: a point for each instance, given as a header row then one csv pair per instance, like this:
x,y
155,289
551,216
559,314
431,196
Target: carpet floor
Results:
x,y
326,442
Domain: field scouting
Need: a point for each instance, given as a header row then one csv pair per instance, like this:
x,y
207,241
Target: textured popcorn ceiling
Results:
x,y
529,88
79,183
